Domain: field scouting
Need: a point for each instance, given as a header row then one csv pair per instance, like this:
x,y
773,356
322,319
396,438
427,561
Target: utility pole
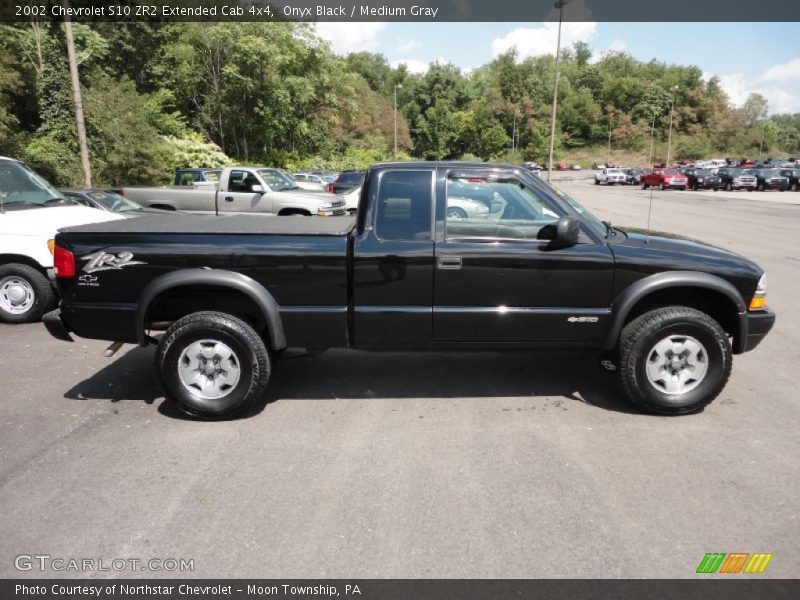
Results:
x,y
560,6
76,95
396,85
674,88
608,153
761,145
652,137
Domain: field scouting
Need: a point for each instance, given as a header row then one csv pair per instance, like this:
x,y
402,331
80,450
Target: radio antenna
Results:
x,y
649,214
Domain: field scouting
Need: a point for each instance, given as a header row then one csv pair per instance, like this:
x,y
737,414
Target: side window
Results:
x,y
404,205
240,181
495,208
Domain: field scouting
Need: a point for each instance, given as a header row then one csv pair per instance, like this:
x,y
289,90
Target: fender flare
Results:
x,y
626,300
230,279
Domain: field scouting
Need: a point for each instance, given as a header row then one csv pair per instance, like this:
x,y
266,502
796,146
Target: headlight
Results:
x,y
324,210
759,300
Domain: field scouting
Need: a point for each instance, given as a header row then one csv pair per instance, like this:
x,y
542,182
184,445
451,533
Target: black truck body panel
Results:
x,y
343,282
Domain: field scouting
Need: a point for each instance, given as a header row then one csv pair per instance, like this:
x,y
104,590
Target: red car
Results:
x,y
664,179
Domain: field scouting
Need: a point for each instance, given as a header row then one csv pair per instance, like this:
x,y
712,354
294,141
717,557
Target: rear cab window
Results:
x,y
403,208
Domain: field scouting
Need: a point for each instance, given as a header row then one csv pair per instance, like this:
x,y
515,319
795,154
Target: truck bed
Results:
x,y
237,224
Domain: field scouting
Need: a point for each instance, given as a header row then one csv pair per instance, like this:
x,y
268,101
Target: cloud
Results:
x,y
536,41
404,45
618,45
414,66
351,37
780,85
780,73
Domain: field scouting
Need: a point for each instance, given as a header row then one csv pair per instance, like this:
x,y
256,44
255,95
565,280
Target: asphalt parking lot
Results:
x,y
412,465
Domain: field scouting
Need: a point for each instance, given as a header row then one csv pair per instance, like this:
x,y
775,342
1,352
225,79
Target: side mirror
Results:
x,y
257,189
567,231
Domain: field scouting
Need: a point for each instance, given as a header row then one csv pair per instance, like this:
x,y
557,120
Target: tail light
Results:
x,y
330,188
64,262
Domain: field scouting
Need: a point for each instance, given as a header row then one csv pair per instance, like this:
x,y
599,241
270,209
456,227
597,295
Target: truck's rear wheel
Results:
x,y
212,365
674,360
25,294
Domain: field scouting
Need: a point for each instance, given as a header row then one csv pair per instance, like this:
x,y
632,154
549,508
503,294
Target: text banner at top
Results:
x,y
430,11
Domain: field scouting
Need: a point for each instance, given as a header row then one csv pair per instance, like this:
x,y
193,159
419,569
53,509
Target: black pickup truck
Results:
x,y
522,266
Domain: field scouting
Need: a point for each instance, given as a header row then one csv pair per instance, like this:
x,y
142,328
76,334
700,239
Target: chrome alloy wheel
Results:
x,y
677,365
16,295
209,369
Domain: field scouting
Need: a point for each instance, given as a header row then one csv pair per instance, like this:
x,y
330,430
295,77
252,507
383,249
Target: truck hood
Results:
x,y
46,220
667,251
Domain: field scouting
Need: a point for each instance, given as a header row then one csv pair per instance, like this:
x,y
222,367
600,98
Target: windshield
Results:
x,y
351,177
20,185
114,202
213,176
277,180
595,223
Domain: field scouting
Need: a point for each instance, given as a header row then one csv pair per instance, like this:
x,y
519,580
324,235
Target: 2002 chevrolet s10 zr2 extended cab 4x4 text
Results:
x,y
531,269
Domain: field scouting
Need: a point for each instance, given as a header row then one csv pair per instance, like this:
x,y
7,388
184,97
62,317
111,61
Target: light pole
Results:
x,y
761,145
560,4
396,86
674,88
652,137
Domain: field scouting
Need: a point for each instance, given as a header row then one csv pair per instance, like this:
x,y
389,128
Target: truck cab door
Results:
x,y
392,280
499,281
240,193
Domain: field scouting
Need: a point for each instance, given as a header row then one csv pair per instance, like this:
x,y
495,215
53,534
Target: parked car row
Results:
x,y
703,178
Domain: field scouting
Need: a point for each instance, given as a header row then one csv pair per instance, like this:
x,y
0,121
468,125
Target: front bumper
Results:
x,y
755,326
56,326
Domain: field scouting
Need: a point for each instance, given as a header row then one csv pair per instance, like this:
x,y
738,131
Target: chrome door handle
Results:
x,y
449,262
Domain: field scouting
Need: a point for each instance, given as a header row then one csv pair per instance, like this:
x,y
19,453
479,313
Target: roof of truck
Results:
x,y
432,164
230,224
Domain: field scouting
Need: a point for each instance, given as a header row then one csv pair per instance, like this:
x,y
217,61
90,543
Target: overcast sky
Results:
x,y
748,57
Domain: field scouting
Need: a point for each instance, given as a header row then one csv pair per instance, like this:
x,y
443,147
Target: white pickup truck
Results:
x,y
241,189
31,211
610,176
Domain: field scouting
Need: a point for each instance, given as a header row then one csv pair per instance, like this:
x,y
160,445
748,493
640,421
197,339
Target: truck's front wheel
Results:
x,y
212,365
674,360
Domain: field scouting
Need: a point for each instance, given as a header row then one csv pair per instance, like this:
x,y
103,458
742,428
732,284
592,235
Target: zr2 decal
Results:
x,y
103,261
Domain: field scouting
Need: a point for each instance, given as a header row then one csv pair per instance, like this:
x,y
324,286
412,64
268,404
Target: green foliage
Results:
x,y
162,95
192,150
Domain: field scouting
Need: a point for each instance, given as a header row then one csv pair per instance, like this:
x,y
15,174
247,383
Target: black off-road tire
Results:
x,y
253,358
639,337
44,296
